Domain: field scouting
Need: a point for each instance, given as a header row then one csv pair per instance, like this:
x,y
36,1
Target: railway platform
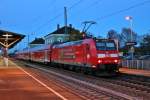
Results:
x,y
135,71
19,83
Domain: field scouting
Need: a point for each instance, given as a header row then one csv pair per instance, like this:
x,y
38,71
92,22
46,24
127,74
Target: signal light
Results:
x,y
83,35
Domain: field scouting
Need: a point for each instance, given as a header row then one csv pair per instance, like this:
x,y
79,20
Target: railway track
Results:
x,y
135,79
138,82
131,87
93,88
82,88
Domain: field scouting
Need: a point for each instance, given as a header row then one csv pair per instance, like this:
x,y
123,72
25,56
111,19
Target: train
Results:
x,y
87,55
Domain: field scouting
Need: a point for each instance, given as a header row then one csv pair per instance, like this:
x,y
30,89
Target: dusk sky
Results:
x,y
40,17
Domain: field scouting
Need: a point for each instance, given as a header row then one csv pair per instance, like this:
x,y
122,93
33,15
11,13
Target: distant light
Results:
x,y
128,17
93,66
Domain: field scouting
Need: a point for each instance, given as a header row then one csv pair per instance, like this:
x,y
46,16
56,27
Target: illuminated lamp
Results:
x,y
99,61
93,66
116,61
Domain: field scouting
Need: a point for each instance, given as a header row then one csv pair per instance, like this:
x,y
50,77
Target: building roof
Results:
x,y
38,41
9,39
62,30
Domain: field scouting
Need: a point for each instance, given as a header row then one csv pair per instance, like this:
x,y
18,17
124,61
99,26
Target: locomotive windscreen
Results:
x,y
105,45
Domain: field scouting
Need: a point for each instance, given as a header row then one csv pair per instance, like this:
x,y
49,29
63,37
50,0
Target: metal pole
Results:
x,y
28,47
28,40
132,47
65,19
130,19
131,25
117,44
6,57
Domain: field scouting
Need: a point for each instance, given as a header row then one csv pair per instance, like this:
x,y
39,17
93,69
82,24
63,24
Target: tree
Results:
x,y
74,34
112,34
145,45
128,35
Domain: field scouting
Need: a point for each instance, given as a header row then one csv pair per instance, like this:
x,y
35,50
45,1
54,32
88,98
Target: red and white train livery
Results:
x,y
88,54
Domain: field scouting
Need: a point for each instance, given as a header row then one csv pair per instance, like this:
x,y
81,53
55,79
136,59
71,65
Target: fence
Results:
x,y
137,64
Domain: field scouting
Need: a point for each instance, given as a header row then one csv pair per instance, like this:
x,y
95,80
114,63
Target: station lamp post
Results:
x,y
130,19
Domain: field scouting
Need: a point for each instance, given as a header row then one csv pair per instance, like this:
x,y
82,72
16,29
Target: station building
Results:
x,y
59,35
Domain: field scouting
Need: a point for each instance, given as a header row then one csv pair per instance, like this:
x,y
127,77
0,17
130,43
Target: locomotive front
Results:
x,y
107,55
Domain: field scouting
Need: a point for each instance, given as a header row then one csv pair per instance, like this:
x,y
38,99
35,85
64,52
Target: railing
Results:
x,y
136,64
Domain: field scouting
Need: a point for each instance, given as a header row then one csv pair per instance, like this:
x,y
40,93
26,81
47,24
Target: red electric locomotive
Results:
x,y
88,54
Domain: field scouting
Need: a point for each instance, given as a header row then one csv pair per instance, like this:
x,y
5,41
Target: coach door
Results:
x,y
86,54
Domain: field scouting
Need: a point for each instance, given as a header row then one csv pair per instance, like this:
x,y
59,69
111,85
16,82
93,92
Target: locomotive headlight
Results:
x,y
99,61
116,61
101,55
113,55
88,56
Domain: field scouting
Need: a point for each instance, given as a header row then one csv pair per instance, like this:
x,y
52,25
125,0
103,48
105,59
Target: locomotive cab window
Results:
x,y
100,46
110,46
105,45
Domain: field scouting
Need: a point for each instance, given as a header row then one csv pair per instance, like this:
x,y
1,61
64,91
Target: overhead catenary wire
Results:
x,y
57,16
41,16
90,6
100,18
75,4
123,10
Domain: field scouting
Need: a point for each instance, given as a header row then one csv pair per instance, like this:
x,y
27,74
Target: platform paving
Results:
x,y
135,71
15,84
